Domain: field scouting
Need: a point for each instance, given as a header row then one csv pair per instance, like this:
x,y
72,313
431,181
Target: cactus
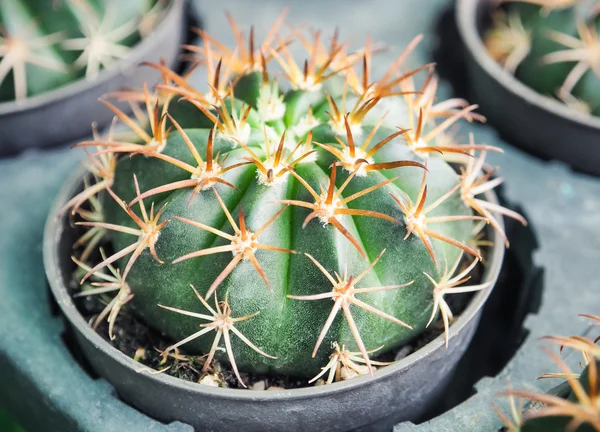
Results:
x,y
46,44
552,46
284,221
572,406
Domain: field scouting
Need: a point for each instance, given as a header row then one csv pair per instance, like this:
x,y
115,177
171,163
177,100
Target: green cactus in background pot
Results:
x,y
46,44
553,46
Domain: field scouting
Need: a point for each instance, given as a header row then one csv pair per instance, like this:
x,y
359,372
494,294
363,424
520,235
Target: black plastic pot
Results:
x,y
400,392
66,114
534,122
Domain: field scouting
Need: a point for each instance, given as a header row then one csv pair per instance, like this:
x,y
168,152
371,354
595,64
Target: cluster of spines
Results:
x,y
281,159
582,408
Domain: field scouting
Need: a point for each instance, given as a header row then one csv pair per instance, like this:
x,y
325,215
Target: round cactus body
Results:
x,y
285,326
303,230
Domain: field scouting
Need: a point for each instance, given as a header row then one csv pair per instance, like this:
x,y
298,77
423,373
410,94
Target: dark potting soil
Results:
x,y
146,345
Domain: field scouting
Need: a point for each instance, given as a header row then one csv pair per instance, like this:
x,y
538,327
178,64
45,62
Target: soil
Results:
x,y
145,345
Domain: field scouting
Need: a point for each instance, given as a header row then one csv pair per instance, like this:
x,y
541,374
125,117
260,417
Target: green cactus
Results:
x,y
571,406
46,44
552,46
9,425
297,220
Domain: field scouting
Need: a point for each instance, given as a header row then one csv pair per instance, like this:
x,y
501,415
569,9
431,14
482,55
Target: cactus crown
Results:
x,y
282,223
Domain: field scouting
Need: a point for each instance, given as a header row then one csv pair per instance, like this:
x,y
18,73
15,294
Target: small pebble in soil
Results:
x,y
210,381
259,385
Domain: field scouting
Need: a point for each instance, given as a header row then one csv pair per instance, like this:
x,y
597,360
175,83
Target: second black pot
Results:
x,y
537,123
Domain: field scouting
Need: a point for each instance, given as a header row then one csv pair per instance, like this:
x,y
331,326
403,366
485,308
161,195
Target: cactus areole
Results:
x,y
279,225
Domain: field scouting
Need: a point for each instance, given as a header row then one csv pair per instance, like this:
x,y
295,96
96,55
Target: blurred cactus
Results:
x,y
46,44
553,46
